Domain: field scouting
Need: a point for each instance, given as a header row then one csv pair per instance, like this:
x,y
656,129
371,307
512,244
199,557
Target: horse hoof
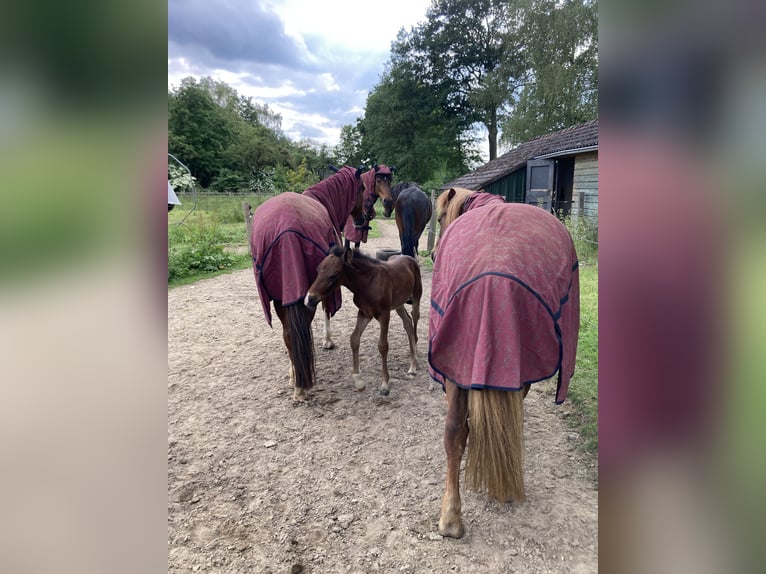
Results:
x,y
358,383
453,530
411,374
328,345
384,392
299,396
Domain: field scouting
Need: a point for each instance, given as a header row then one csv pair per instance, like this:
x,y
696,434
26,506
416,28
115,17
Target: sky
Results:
x,y
312,61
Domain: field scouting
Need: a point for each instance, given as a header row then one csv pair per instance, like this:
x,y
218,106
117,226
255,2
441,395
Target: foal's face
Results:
x,y
329,276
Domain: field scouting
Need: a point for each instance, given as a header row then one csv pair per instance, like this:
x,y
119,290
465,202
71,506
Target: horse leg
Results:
x,y
455,436
411,337
306,369
328,343
383,320
356,336
282,314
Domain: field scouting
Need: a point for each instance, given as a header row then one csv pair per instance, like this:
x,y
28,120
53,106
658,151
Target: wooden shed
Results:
x,y
556,171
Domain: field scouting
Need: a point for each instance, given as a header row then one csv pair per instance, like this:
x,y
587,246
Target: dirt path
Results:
x,y
350,481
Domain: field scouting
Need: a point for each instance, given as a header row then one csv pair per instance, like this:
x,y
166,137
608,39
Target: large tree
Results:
x,y
199,130
410,123
561,48
471,48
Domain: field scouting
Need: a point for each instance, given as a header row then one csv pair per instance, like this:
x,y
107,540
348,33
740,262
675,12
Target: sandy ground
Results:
x,y
350,481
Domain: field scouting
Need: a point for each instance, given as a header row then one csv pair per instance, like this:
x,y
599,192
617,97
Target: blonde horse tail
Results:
x,y
494,459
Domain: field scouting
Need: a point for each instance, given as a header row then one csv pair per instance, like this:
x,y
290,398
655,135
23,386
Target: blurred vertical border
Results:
x,y
682,284
83,303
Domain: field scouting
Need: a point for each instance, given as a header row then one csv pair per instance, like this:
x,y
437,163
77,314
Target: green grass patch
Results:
x,y
583,389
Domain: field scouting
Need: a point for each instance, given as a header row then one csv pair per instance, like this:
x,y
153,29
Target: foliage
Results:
x,y
199,247
561,51
583,388
179,178
231,143
196,248
472,48
584,232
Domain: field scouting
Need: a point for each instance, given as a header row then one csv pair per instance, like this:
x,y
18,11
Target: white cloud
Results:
x,y
313,62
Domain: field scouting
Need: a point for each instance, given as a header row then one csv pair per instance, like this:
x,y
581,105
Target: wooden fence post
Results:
x,y
247,210
432,223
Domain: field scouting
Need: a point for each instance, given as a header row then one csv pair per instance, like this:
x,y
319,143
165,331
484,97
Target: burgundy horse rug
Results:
x,y
505,299
293,232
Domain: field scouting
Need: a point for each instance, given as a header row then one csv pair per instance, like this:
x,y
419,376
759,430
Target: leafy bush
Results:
x,y
197,248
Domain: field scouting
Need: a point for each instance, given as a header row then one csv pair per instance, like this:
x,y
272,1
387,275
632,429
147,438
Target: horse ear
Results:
x,y
393,169
359,171
451,194
376,168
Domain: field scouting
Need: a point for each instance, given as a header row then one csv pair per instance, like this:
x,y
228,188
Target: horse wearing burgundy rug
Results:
x,y
292,233
356,231
505,313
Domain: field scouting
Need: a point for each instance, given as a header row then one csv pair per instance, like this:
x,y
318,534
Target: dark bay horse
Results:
x,y
292,233
505,313
413,212
378,286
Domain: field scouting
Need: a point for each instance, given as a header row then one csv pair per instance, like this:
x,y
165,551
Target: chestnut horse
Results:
x,y
505,312
413,212
378,286
292,233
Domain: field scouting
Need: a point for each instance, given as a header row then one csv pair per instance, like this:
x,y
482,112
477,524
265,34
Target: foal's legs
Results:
x,y
411,337
455,436
356,336
328,343
383,320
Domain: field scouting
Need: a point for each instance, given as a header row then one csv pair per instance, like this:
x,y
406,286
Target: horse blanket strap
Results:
x,y
505,299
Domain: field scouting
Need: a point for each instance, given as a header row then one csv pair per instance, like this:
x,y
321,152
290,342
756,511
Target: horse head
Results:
x,y
449,206
329,276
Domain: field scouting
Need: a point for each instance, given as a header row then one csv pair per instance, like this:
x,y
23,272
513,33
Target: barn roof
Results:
x,y
564,142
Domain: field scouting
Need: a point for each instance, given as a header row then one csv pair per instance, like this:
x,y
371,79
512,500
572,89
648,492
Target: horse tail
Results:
x,y
407,234
301,344
494,462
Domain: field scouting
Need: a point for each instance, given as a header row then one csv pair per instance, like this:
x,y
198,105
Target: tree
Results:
x,y
470,48
561,46
199,130
409,123
349,149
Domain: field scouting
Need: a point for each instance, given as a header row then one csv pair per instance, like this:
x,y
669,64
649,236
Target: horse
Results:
x,y
356,231
413,212
291,235
378,287
505,313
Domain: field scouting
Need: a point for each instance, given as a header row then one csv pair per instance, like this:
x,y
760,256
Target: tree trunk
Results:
x,y
492,128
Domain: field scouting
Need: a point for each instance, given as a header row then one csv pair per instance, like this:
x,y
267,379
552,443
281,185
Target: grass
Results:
x,y
583,388
198,239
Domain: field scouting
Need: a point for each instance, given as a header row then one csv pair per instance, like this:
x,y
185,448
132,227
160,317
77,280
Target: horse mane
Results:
x,y
359,261
454,206
362,262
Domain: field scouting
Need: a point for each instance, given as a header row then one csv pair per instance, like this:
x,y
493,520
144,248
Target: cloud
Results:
x,y
234,31
313,64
